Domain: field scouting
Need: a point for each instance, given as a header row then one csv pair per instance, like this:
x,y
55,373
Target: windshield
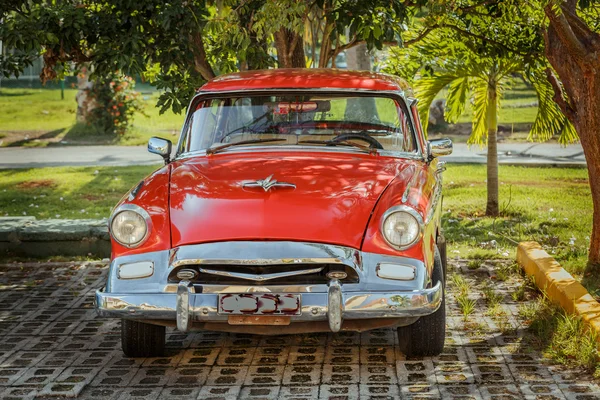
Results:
x,y
360,122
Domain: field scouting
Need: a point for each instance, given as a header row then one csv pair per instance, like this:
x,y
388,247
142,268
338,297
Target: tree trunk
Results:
x,y
573,49
290,49
85,103
492,208
358,57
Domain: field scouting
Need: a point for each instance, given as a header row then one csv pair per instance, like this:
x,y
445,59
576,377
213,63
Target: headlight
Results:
x,y
129,228
401,227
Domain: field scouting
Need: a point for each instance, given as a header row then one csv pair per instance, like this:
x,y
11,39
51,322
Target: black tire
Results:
x,y
425,338
142,340
441,245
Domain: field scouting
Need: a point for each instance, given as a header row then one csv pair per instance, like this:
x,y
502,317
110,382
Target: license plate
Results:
x,y
260,304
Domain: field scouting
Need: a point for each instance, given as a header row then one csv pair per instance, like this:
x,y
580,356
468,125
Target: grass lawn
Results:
x,y
88,192
550,205
38,117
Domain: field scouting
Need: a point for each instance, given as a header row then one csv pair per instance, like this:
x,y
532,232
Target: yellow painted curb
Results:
x,y
559,285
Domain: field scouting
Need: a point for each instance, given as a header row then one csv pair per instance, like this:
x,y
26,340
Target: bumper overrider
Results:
x,y
385,286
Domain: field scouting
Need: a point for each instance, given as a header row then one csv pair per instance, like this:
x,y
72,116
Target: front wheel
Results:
x,y
425,338
142,340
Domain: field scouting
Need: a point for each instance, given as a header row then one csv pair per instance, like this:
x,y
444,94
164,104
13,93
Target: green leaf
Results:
x,y
480,112
456,99
426,90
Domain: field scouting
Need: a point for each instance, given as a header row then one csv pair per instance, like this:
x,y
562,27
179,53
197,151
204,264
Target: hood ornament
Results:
x,y
267,184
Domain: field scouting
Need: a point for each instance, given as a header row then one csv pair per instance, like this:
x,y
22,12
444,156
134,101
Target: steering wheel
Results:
x,y
373,143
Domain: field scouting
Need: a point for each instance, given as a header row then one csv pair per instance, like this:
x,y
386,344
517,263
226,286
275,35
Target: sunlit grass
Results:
x,y
550,205
89,192
41,111
564,338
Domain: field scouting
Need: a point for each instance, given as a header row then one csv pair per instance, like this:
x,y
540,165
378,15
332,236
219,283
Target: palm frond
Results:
x,y
481,105
568,135
549,119
426,89
456,100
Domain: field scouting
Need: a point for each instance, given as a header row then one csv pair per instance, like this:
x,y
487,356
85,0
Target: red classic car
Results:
x,y
298,200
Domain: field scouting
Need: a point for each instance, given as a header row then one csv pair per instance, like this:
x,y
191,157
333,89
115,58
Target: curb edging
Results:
x,y
560,286
28,237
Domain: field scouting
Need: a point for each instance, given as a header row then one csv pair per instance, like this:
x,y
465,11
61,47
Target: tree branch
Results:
x,y
484,38
200,62
558,97
420,36
565,33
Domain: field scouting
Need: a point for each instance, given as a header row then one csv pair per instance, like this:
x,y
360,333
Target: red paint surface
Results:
x,y
304,78
339,199
334,196
154,198
418,198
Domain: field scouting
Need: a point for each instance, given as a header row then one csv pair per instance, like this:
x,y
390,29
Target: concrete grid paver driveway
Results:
x,y
53,345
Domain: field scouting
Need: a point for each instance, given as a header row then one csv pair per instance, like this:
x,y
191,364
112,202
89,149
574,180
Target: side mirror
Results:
x,y
440,147
160,146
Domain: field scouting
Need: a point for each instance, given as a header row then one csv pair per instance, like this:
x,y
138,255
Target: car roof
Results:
x,y
306,78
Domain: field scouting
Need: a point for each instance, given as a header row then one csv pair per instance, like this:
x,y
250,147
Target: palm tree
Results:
x,y
442,62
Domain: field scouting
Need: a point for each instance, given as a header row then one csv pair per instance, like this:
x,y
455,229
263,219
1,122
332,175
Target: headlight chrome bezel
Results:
x,y
137,209
408,210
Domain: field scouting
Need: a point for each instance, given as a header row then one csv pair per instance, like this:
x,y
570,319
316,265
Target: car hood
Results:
x,y
329,199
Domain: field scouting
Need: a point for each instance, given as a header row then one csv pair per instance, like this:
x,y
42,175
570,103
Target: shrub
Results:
x,y
117,103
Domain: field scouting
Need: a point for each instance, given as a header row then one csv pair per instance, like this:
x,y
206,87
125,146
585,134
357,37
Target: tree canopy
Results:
x,y
178,45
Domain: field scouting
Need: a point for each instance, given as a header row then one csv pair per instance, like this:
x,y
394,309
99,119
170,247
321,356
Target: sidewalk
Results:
x,y
509,153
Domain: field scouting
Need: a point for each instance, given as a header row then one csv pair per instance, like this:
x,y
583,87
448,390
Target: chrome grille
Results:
x,y
264,274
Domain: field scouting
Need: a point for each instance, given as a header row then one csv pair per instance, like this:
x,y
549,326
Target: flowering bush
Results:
x,y
116,103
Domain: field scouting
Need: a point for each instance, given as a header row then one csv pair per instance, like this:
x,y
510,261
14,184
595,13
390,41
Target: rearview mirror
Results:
x,y
160,146
440,147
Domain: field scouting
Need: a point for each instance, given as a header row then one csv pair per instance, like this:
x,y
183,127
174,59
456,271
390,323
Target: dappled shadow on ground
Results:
x,y
33,137
591,280
513,316
81,133
59,347
4,93
487,233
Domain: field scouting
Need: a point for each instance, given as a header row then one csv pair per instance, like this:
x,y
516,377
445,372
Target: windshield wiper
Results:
x,y
371,150
219,148
247,127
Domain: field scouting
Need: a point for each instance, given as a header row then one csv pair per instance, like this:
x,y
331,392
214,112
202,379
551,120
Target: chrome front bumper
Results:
x,y
187,307
156,298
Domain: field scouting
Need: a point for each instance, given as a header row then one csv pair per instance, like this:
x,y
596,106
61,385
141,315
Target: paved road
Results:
x,y
515,153
52,344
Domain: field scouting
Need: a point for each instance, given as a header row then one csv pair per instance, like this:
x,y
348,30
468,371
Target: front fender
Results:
x,y
152,196
422,192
